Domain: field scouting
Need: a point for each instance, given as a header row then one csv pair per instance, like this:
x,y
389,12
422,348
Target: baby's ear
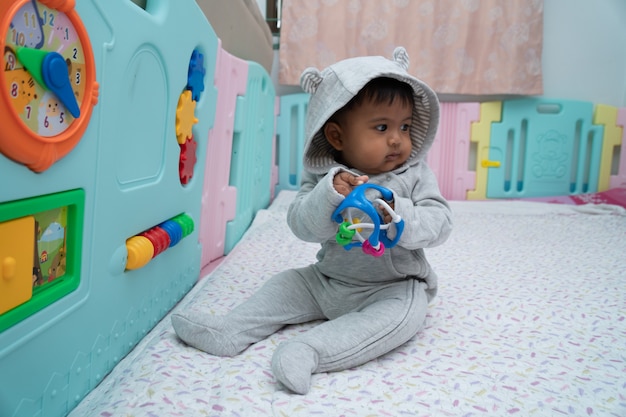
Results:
x,y
310,80
332,133
401,57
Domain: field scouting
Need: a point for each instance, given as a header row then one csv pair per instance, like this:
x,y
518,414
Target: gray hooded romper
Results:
x,y
370,305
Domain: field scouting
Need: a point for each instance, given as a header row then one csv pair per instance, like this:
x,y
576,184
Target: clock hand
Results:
x,y
32,59
57,79
50,70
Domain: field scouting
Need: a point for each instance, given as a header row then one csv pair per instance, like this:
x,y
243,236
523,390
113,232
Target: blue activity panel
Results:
x,y
114,222
544,148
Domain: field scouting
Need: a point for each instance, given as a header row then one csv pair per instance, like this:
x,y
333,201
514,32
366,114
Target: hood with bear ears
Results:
x,y
335,86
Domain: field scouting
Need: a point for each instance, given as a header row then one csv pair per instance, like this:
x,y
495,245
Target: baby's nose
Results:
x,y
394,138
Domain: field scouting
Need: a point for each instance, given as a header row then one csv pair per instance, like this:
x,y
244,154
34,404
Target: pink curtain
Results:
x,y
456,46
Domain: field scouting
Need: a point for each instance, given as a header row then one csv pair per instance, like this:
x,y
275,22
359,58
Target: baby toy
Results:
x,y
350,227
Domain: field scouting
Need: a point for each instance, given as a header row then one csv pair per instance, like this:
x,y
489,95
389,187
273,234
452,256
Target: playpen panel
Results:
x,y
290,139
274,175
251,162
607,117
619,179
544,147
449,155
218,196
125,174
613,166
490,112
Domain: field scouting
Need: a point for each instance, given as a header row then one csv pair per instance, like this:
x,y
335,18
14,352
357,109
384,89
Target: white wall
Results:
x,y
584,54
585,50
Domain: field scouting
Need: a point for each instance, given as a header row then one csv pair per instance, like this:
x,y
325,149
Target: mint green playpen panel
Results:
x,y
542,148
290,138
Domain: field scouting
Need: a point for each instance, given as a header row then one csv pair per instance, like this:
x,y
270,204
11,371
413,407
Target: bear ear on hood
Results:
x,y
401,57
310,79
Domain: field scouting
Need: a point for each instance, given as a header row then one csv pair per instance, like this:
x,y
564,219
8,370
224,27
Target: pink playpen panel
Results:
x,y
449,155
218,197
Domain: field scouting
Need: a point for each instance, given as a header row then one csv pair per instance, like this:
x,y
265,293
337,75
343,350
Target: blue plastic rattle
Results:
x,y
349,226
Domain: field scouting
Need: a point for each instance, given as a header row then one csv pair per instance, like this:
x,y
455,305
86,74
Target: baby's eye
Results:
x,y
381,128
405,127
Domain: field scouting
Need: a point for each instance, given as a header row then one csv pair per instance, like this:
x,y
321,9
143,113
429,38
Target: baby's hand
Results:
x,y
386,216
344,182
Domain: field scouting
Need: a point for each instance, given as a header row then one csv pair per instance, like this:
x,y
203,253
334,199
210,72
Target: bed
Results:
x,y
530,320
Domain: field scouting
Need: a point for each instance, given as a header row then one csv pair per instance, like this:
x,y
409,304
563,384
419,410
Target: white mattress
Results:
x,y
530,320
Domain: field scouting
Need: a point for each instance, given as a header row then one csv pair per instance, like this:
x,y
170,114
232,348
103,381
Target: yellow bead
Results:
x,y
140,251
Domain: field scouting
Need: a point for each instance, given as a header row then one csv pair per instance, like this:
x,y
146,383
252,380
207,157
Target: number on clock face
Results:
x,y
38,27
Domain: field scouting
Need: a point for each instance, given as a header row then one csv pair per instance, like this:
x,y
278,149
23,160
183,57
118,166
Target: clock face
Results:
x,y
44,69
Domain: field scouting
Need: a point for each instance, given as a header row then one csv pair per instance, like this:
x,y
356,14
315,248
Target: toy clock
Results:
x,y
47,80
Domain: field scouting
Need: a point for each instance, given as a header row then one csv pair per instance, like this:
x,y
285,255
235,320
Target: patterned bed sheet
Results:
x,y
530,320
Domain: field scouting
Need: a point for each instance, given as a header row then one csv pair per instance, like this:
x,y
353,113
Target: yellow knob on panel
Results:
x,y
9,266
485,163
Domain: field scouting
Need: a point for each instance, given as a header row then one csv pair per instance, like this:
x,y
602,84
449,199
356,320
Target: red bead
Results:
x,y
159,238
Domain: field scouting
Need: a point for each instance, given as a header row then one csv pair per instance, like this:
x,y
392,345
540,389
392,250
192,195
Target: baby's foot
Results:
x,y
293,363
204,333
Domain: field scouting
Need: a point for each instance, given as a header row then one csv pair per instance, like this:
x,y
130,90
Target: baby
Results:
x,y
368,120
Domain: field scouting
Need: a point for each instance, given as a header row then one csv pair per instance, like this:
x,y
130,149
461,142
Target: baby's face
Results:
x,y
375,136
